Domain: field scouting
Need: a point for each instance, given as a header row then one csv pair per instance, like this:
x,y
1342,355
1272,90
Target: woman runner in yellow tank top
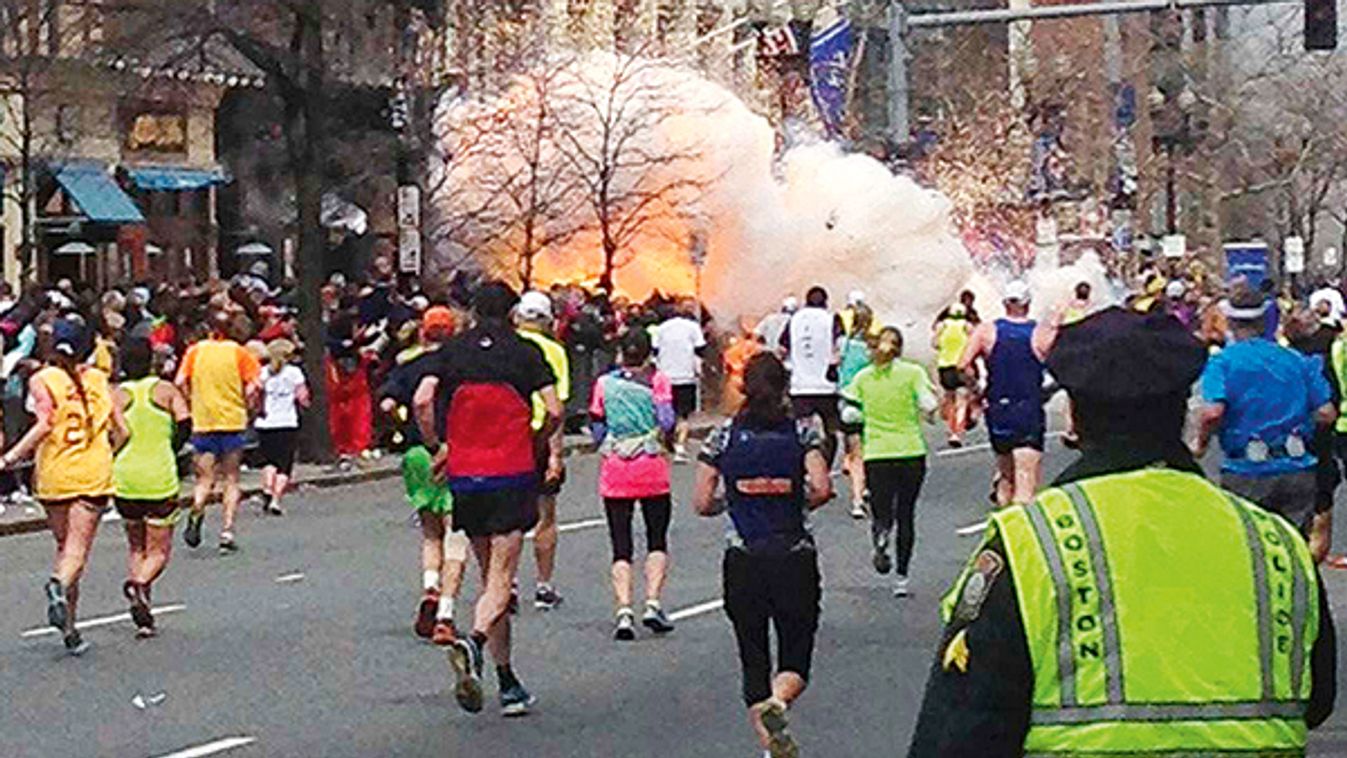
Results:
x,y
145,474
75,432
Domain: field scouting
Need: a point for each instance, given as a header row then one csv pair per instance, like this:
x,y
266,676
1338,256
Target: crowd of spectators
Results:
x,y
367,323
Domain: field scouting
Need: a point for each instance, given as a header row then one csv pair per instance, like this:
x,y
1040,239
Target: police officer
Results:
x,y
1133,607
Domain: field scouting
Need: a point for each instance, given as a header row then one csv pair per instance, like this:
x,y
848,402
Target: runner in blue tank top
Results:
x,y
1014,348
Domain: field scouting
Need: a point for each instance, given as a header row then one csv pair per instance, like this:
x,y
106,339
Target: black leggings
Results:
x,y
782,588
894,485
655,512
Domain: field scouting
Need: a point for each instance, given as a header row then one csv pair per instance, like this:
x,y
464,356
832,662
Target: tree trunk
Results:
x,y
609,261
304,135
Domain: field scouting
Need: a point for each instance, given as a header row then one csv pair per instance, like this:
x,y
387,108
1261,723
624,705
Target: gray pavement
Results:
x,y
301,645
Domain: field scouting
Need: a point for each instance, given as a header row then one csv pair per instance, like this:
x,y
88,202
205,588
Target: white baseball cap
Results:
x,y
855,298
790,305
534,306
1175,288
1017,292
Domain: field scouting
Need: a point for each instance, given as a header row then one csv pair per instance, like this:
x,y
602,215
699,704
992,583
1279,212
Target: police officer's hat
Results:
x,y
1119,355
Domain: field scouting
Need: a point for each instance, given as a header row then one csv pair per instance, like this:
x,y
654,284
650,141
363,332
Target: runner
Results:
x,y
483,379
773,472
75,430
145,474
773,325
679,344
810,341
949,339
444,552
1013,348
631,417
220,379
534,316
854,352
893,396
284,393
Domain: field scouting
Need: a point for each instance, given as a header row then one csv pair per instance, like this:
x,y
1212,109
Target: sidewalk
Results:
x,y
20,519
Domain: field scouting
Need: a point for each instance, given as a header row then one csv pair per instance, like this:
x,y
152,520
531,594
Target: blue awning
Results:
x,y
173,179
97,195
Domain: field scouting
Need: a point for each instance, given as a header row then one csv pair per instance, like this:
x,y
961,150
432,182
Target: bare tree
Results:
x,y
36,38
613,123
288,40
508,184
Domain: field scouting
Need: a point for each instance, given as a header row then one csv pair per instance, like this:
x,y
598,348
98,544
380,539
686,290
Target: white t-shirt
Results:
x,y
771,327
676,343
278,398
811,352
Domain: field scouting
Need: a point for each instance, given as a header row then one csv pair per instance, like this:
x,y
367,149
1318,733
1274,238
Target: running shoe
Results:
x,y
444,634
466,659
883,563
624,628
513,607
780,742
955,443
858,509
655,620
140,605
192,534
515,700
58,608
425,614
227,544
271,508
546,598
681,455
900,586
75,644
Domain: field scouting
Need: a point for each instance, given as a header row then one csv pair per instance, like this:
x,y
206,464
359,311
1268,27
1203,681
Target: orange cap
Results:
x,y
437,317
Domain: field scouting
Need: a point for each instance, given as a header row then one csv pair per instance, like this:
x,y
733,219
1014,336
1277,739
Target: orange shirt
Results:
x,y
218,373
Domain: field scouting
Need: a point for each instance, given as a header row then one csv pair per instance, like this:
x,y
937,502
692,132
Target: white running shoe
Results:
x,y
901,587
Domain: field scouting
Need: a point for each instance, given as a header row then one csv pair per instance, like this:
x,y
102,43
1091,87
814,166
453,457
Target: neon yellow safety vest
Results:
x,y
1163,616
1338,356
556,357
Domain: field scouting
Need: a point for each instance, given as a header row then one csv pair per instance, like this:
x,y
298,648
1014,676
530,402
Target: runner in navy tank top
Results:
x,y
1014,348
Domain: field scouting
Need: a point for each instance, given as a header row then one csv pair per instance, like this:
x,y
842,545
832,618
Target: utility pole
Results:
x,y
899,127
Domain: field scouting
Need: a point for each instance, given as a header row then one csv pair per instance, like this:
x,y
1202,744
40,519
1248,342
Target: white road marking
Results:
x,y
211,748
290,578
573,526
576,526
971,529
103,621
697,610
981,446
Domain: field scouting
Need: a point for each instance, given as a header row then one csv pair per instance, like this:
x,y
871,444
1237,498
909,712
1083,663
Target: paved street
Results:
x,y
301,644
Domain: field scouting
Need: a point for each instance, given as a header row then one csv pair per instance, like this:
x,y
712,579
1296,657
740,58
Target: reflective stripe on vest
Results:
x,y
1085,698
1338,357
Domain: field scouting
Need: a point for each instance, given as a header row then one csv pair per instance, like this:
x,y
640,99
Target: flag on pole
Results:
x,y
829,62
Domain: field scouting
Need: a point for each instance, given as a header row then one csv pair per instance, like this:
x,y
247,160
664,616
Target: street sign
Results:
x,y
1174,246
409,251
1293,255
1247,261
409,206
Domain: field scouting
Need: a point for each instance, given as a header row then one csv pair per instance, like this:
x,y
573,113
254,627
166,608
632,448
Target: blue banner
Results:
x,y
829,69
1247,260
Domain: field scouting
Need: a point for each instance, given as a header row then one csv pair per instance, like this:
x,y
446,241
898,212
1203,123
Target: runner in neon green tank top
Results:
x,y
145,475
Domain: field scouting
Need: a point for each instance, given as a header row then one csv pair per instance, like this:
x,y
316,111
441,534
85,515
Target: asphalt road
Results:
x,y
301,645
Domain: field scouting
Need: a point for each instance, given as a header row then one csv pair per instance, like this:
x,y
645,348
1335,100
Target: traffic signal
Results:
x,y
1321,24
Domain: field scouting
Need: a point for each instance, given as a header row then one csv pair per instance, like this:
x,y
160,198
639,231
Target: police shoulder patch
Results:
x,y
987,566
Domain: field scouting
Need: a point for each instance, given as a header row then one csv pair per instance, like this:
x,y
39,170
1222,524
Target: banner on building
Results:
x,y
829,71
1247,261
777,41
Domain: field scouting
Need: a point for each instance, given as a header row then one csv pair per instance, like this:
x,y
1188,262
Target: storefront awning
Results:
x,y
174,179
97,195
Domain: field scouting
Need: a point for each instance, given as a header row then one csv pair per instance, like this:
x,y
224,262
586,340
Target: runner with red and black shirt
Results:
x,y
482,383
